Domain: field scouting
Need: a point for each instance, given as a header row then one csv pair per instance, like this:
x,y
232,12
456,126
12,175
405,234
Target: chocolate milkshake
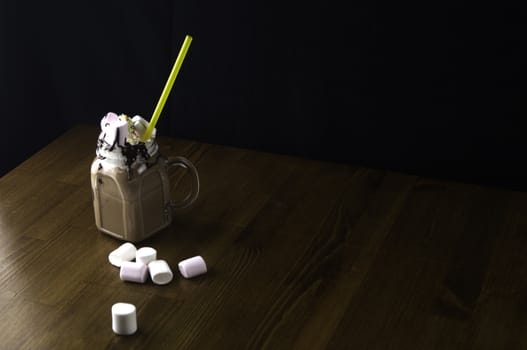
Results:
x,y
130,183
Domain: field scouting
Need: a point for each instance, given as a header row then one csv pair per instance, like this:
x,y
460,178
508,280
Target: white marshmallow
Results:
x,y
124,320
133,272
140,124
160,272
126,252
114,129
192,267
145,255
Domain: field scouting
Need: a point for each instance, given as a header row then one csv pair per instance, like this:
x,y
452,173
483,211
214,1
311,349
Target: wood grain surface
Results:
x,y
301,255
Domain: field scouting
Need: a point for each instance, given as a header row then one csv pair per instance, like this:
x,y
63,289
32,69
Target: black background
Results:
x,y
431,89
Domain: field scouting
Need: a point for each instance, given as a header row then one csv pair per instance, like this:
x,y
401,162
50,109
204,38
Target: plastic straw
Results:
x,y
168,88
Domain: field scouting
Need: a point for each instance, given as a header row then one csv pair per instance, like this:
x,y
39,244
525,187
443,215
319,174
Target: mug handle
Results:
x,y
193,194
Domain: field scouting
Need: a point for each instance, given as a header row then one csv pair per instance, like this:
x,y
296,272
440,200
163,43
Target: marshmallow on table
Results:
x,y
126,252
133,272
192,267
145,255
124,320
160,272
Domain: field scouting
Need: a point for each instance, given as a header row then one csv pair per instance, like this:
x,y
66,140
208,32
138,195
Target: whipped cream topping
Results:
x,y
119,142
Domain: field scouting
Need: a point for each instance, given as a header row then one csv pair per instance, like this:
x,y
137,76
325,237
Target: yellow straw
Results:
x,y
168,88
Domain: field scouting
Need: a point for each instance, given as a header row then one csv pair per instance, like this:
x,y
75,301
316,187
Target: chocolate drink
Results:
x,y
130,182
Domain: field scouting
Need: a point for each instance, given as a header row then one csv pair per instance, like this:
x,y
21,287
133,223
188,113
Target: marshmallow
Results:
x,y
126,252
160,272
140,125
109,119
145,255
133,272
114,129
124,321
192,267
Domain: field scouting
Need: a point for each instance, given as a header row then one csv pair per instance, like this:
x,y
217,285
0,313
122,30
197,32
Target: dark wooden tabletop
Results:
x,y
301,255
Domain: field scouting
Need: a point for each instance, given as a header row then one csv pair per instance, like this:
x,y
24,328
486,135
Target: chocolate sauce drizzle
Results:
x,y
129,151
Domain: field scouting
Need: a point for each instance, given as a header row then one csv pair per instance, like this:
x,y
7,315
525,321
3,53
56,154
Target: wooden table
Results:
x,y
301,255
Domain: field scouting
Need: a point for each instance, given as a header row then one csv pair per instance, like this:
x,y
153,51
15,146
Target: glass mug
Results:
x,y
134,205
